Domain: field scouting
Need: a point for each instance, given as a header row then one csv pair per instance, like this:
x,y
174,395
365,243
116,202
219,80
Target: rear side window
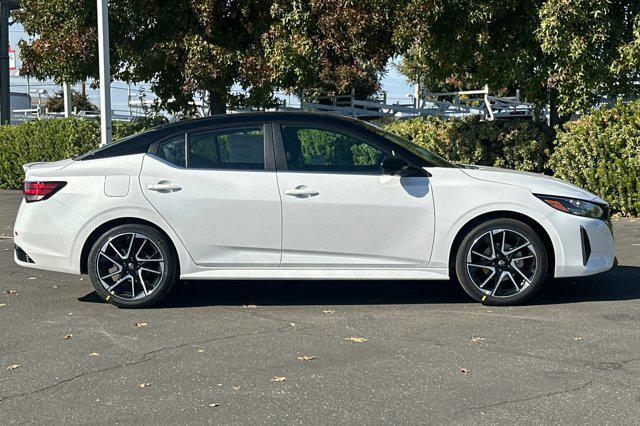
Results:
x,y
173,151
241,149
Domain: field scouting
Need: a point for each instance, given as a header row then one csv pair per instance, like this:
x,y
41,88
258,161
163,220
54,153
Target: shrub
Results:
x,y
601,153
52,140
517,144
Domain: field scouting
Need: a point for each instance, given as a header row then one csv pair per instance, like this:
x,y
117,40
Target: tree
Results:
x,y
564,53
185,48
329,47
78,101
463,44
182,47
594,49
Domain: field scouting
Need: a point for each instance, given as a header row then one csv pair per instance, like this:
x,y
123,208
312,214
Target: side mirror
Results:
x,y
394,166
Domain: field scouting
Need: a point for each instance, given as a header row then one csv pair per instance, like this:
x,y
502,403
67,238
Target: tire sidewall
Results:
x,y
166,283
509,224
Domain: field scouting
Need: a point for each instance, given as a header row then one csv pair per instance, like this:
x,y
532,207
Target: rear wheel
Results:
x,y
501,262
133,266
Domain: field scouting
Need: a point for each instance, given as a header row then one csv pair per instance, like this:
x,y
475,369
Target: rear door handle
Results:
x,y
301,191
164,186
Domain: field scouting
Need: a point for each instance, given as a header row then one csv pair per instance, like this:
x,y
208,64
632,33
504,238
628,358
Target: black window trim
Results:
x,y
365,136
267,134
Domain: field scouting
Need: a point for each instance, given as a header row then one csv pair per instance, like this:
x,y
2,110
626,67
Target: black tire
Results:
x,y
508,292
168,278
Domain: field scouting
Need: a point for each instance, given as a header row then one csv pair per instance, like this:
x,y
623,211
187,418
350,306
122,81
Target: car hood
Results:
x,y
534,182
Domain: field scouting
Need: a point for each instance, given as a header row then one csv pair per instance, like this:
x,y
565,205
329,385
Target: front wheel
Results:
x,y
501,262
133,266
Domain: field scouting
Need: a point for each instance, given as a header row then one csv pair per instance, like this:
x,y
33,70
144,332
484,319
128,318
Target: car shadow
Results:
x,y
621,283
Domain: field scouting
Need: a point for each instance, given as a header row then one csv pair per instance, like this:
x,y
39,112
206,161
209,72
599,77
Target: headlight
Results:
x,y
576,207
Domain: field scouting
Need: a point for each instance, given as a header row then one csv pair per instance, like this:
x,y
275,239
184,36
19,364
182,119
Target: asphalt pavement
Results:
x,y
319,352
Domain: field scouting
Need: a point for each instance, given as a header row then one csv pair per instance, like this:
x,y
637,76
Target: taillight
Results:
x,y
38,191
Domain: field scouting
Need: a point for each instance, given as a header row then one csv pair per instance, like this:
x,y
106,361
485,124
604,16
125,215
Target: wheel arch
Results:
x,y
505,214
96,233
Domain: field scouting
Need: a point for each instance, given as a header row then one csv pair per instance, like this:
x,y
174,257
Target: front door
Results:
x,y
214,190
340,211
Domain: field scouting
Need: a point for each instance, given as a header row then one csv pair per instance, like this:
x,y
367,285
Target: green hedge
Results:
x,y
601,153
52,140
516,144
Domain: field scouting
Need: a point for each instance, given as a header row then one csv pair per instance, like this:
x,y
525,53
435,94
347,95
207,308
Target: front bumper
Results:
x,y
585,246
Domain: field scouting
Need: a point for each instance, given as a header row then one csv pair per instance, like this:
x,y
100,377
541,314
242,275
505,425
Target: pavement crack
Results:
x,y
146,357
534,397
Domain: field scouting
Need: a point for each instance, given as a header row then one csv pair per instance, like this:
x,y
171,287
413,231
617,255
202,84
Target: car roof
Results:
x,y
140,142
265,116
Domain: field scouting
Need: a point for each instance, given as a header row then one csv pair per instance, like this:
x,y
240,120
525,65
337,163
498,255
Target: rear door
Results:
x,y
340,211
217,188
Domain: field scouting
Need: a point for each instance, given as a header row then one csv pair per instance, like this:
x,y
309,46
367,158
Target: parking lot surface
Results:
x,y
319,352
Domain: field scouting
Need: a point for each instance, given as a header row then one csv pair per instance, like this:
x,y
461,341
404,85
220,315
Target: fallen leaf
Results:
x,y
94,354
214,405
68,336
306,357
278,379
12,292
578,338
329,311
13,366
32,278
143,385
357,339
464,370
141,324
477,340
250,306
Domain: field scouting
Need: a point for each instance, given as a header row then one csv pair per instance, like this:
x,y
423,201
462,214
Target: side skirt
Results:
x,y
317,274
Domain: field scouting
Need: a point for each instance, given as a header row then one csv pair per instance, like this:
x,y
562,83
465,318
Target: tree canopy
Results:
x,y
181,47
465,44
185,47
593,49
328,47
569,53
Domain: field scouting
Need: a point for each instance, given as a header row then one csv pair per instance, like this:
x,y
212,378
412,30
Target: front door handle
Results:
x,y
164,186
301,191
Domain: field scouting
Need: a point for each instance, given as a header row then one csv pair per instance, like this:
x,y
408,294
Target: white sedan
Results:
x,y
301,196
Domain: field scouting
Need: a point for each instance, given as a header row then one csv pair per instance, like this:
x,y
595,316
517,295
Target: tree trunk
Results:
x,y
216,103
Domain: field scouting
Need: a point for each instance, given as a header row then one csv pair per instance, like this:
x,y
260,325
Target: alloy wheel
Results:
x,y
502,263
130,266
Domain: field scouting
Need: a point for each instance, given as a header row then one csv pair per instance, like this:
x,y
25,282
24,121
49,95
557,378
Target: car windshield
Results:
x,y
433,159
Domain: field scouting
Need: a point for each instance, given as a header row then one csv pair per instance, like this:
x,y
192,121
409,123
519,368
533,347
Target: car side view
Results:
x,y
301,196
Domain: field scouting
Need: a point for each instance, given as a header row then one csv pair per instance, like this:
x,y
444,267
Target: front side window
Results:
x,y
227,149
323,150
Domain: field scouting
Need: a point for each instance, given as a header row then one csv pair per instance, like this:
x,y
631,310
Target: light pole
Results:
x,y
5,90
105,74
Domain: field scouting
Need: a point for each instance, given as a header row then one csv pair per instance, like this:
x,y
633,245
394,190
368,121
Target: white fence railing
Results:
x,y
446,104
